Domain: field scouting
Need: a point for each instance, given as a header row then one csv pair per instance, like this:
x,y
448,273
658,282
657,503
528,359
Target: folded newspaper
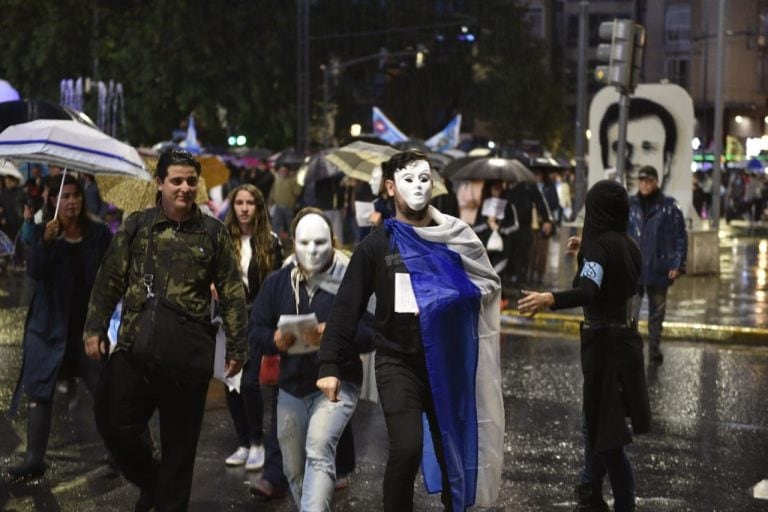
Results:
x,y
296,325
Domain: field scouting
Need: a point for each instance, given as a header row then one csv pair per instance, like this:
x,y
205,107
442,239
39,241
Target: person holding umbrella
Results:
x,y
62,264
611,348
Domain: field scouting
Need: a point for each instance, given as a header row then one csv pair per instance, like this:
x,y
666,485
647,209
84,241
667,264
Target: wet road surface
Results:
x,y
707,448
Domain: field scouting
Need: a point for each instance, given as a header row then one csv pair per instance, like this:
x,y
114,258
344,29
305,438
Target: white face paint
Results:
x,y
414,183
313,244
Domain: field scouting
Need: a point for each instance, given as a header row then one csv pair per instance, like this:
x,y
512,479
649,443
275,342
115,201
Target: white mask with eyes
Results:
x,y
414,183
312,244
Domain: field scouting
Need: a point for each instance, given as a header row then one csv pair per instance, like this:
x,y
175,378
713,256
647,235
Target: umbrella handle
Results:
x,y
58,197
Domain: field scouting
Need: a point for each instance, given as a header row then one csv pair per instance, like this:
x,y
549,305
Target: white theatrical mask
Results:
x,y
414,183
313,244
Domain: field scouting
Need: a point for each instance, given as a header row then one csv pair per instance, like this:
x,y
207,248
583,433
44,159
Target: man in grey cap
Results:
x,y
656,223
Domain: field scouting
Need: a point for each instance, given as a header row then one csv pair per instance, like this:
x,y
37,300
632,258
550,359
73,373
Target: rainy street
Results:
x,y
706,450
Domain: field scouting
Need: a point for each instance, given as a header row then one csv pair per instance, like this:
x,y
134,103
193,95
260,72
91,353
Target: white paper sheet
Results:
x,y
296,325
405,300
494,207
363,211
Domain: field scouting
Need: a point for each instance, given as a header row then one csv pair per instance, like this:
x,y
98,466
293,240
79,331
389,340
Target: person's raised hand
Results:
x,y
52,230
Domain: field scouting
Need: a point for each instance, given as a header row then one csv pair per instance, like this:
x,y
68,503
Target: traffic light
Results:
x,y
623,54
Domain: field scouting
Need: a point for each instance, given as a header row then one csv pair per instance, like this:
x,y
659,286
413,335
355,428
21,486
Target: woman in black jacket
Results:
x,y
611,349
259,252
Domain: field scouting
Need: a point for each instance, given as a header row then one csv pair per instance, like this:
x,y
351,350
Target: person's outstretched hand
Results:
x,y
533,302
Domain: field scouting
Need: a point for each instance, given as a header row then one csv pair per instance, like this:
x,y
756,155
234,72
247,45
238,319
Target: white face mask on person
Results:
x,y
414,184
312,244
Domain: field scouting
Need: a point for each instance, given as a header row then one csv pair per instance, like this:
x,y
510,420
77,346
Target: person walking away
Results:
x,y
611,348
656,223
285,194
62,264
258,250
309,427
437,309
181,252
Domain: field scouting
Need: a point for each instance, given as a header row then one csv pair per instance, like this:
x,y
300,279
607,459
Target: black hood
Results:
x,y
607,209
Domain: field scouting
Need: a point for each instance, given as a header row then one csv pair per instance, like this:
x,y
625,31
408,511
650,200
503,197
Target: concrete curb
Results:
x,y
682,331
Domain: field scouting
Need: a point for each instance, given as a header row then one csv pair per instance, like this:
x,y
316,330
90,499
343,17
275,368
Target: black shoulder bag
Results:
x,y
170,340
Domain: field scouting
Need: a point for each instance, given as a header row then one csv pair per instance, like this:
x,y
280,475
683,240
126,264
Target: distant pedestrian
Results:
x,y
611,348
286,192
656,223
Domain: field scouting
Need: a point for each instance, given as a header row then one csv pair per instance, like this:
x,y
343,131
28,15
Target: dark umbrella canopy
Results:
x,y
22,111
488,168
317,167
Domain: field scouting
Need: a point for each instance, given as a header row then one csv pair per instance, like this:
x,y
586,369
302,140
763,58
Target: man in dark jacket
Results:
x,y
189,251
656,223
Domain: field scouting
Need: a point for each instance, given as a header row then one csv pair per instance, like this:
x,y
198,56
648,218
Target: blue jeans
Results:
x,y
657,310
309,429
614,462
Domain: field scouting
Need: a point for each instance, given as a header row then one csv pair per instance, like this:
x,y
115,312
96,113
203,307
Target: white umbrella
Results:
x,y
71,145
8,169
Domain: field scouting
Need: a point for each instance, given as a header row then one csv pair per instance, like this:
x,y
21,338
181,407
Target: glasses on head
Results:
x,y
176,181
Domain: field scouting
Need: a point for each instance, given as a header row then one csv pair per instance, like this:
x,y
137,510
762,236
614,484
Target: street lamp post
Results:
x,y
338,67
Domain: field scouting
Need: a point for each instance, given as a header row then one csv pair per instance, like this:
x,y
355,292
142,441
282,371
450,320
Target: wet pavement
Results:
x,y
731,306
706,450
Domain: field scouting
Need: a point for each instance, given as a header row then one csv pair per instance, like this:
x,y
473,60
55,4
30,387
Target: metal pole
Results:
x,y
718,135
621,150
326,98
580,191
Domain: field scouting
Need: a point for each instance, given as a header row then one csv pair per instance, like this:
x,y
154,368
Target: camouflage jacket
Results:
x,y
186,262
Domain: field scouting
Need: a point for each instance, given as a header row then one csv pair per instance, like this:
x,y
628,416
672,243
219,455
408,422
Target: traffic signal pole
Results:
x,y
621,148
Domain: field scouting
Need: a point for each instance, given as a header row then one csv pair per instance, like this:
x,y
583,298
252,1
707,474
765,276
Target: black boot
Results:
x,y
589,498
38,428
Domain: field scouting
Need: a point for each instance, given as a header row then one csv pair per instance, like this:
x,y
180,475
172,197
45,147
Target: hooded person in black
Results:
x,y
611,349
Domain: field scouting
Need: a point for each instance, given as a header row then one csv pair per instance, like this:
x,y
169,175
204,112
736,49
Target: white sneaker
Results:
x,y
238,458
255,458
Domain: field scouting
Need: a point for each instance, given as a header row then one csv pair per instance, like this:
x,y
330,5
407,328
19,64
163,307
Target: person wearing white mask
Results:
x,y
437,354
309,428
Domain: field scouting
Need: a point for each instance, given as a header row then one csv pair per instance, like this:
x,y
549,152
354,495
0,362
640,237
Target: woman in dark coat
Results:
x,y
488,221
63,264
611,349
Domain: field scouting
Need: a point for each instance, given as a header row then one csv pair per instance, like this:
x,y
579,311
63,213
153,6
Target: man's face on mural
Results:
x,y
645,146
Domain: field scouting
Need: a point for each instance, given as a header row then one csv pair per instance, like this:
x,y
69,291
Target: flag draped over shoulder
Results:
x,y
458,294
386,129
447,138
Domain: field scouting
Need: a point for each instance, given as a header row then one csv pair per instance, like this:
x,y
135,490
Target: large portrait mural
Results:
x,y
659,133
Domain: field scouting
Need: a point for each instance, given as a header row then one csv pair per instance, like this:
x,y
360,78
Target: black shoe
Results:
x,y
27,469
589,498
657,357
146,501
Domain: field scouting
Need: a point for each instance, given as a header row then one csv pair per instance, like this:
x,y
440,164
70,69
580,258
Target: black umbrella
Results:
x,y
22,111
317,167
488,168
412,144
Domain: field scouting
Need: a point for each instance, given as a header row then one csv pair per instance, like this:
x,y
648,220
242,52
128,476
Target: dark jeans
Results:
x,y
126,398
247,406
657,310
404,395
614,462
273,461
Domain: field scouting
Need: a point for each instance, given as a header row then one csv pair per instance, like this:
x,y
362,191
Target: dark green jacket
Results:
x,y
186,262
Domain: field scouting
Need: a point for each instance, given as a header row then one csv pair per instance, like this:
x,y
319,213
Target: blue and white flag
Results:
x,y
447,138
386,129
190,142
458,293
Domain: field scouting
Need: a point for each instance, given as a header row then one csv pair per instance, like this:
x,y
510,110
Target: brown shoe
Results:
x,y
264,489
